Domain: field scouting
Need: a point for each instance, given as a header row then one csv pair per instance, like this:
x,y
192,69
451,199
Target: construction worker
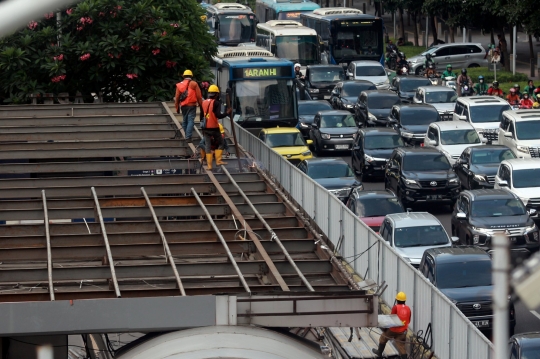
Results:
x,y
399,334
211,110
188,96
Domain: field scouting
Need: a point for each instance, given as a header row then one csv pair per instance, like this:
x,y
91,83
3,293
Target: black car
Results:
x,y
320,80
421,174
334,174
412,121
478,165
480,214
405,86
332,131
372,206
373,107
372,147
525,346
346,93
463,274
306,114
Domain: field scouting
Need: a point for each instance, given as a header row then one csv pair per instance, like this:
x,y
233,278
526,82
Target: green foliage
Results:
x,y
505,78
126,49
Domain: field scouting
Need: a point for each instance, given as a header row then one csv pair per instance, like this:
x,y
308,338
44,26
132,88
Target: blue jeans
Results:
x,y
188,115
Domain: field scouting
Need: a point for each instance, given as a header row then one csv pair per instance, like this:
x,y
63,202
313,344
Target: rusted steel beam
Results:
x,y
127,133
115,128
39,111
83,120
151,143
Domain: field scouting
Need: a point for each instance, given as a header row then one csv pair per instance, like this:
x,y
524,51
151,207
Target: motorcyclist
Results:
x,y
518,92
402,62
430,72
448,72
536,103
391,47
494,90
297,72
513,98
526,101
530,88
463,80
536,95
481,87
429,61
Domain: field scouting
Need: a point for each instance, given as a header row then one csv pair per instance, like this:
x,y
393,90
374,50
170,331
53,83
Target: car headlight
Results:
x,y
348,105
314,90
411,182
342,192
406,134
481,230
454,181
306,153
325,136
480,178
523,149
369,158
530,228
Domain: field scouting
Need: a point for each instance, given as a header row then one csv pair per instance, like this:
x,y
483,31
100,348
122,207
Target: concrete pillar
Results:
x,y
511,61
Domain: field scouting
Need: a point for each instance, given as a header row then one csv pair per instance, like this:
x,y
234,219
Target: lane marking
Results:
x,y
535,313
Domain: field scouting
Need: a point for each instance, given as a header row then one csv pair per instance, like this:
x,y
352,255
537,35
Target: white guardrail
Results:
x,y
454,336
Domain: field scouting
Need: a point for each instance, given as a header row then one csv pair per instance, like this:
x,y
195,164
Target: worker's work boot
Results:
x,y
209,159
379,351
219,156
404,356
203,156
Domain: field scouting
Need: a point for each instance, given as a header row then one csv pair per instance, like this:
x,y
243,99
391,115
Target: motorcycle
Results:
x,y
434,79
403,70
450,82
465,89
392,60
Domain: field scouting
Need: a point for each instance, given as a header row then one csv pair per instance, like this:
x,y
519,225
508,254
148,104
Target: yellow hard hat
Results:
x,y
221,129
187,73
213,88
401,297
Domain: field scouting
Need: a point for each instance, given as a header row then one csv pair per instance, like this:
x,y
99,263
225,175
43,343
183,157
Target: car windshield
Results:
x,y
329,170
429,51
481,156
370,70
497,208
354,89
463,274
492,113
459,137
412,85
526,178
422,236
441,97
427,162
312,107
326,74
531,350
298,48
418,116
285,140
383,102
528,130
383,142
258,100
378,207
336,121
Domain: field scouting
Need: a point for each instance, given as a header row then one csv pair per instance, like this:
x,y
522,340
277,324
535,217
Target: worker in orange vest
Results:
x,y
399,334
211,110
188,96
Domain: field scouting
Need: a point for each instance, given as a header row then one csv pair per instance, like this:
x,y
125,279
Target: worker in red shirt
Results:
x,y
399,334
188,96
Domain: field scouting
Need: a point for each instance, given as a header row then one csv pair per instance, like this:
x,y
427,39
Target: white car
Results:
x,y
484,113
520,132
441,97
521,177
452,138
371,71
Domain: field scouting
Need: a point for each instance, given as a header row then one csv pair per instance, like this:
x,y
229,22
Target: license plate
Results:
x,y
481,323
377,168
434,196
327,97
342,147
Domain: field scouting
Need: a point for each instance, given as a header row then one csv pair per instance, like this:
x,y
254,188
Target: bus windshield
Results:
x,y
236,28
357,40
300,48
270,99
291,15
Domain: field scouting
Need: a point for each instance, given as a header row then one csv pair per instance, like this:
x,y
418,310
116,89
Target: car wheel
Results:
x,y
471,66
419,70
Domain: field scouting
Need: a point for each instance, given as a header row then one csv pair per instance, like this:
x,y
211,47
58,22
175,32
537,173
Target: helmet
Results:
x,y
495,83
213,89
297,65
513,90
401,297
480,77
187,73
402,55
448,66
537,90
516,86
428,56
464,71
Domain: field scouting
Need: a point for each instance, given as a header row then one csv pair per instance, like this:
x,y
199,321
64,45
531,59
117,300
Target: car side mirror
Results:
x,y
532,212
461,215
309,142
432,142
314,125
508,134
455,240
462,118
503,183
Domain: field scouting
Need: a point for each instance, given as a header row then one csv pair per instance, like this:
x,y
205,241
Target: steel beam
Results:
x,y
151,143
39,111
88,128
127,133
48,241
85,120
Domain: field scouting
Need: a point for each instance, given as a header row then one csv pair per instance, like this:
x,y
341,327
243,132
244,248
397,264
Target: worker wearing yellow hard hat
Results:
x,y
211,112
188,96
398,334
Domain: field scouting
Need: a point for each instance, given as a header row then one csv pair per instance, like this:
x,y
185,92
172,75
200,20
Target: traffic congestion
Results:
x,y
434,162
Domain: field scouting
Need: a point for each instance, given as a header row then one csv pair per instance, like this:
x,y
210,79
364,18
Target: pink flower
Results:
x,y
156,51
85,57
86,20
164,33
205,85
119,7
58,78
174,25
131,76
69,11
49,16
79,28
135,47
170,64
32,25
110,55
59,57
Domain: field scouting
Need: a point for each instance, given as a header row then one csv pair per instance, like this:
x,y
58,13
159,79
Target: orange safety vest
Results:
x,y
404,313
191,97
208,111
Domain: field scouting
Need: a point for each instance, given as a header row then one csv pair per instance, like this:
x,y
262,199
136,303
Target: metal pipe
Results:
x,y
464,33
48,238
222,240
274,236
500,271
168,253
106,240
514,50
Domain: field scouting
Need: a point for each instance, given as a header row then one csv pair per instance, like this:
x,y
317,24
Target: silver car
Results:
x,y
371,71
459,55
411,233
441,97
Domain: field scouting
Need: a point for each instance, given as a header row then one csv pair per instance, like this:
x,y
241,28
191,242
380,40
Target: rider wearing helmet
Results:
x,y
536,103
464,80
494,90
429,61
530,88
513,98
448,72
518,92
402,63
526,101
430,71
211,113
481,87
297,71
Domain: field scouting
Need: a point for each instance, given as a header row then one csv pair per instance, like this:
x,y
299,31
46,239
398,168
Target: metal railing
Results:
x,y
454,336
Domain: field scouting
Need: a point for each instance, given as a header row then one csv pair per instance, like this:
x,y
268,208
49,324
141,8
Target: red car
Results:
x,y
373,206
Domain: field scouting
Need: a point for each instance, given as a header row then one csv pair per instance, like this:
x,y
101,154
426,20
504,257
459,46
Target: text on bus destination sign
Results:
x,y
263,72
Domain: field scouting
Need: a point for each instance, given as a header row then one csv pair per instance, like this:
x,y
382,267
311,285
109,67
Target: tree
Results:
x,y
127,50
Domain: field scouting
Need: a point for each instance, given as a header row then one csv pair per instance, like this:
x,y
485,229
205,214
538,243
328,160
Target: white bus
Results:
x,y
288,39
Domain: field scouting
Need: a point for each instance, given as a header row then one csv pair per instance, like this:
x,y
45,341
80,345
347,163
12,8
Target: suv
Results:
x,y
451,138
483,112
406,86
412,121
480,214
520,131
320,80
288,142
411,233
463,274
441,97
421,174
459,55
373,107
371,71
